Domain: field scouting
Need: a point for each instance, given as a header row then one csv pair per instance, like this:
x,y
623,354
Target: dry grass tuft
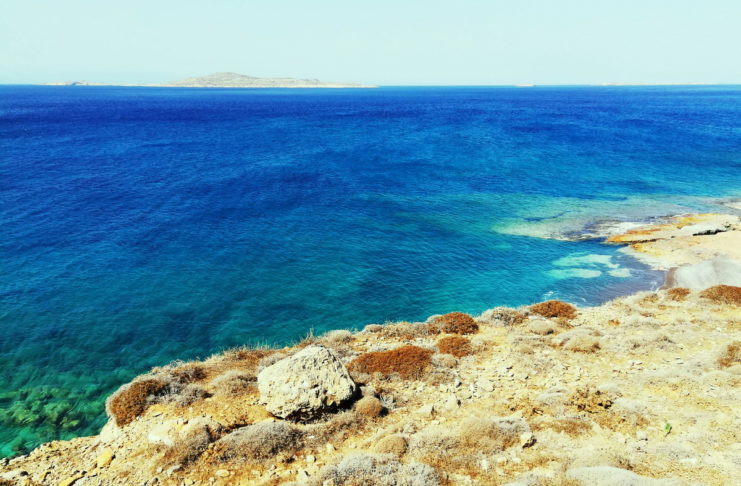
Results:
x,y
504,315
583,343
406,361
376,470
187,373
193,441
454,323
457,346
392,444
573,426
259,441
131,400
370,407
232,382
590,401
725,294
677,294
491,434
554,308
404,331
731,355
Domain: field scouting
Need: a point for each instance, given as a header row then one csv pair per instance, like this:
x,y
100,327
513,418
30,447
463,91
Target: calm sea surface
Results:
x,y
141,225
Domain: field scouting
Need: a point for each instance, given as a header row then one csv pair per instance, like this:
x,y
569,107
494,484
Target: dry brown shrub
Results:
x,y
259,441
392,444
489,434
130,401
583,343
572,426
506,315
404,330
590,401
193,441
649,299
458,346
554,308
678,293
370,407
725,294
408,361
731,355
454,323
613,322
599,408
232,382
188,373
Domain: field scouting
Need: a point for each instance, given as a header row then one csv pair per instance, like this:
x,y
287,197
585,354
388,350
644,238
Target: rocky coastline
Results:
x,y
642,390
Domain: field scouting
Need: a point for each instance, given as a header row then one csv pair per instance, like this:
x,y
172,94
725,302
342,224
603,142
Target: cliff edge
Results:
x,y
643,390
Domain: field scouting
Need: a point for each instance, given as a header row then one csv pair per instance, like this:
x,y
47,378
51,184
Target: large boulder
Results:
x,y
306,385
718,271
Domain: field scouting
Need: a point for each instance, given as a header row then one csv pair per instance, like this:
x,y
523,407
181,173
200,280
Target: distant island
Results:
x,y
228,80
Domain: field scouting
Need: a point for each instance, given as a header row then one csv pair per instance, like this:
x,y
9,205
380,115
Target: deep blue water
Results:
x,y
141,225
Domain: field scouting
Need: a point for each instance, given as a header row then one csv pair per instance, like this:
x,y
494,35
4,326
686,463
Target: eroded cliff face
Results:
x,y
641,390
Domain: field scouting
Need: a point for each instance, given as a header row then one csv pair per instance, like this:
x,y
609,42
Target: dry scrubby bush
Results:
x,y
506,315
492,434
460,450
377,470
192,441
232,382
369,407
677,293
454,323
573,426
580,340
406,361
554,308
731,355
392,444
725,294
259,441
404,330
457,346
132,399
171,385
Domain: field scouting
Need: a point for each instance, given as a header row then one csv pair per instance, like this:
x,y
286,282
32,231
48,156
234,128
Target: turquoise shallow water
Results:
x,y
143,225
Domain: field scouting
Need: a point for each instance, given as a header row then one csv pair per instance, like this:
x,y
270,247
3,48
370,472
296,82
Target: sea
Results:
x,y
145,225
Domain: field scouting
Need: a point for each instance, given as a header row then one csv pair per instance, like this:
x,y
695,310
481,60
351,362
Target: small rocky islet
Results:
x,y
642,390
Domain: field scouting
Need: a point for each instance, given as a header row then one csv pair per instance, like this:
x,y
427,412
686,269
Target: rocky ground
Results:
x,y
643,390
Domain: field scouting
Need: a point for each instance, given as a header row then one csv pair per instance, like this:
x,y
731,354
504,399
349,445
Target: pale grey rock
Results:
x,y
541,326
614,476
305,385
718,271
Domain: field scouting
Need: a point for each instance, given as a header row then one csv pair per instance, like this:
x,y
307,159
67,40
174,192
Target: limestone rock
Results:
x,y
306,384
718,271
104,458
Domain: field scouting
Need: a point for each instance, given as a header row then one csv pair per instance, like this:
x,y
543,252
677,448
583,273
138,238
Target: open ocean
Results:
x,y
143,225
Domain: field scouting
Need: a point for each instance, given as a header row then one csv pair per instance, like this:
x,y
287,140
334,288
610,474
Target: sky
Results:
x,y
384,42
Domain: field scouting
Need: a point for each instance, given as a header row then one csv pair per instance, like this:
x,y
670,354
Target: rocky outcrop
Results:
x,y
306,385
717,271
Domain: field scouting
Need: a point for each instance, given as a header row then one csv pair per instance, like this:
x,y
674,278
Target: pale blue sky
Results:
x,y
374,41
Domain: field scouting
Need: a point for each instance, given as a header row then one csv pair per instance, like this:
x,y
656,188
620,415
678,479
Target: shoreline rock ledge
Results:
x,y
306,385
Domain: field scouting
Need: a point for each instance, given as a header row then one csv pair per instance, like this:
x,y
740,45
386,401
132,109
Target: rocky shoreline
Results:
x,y
642,390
